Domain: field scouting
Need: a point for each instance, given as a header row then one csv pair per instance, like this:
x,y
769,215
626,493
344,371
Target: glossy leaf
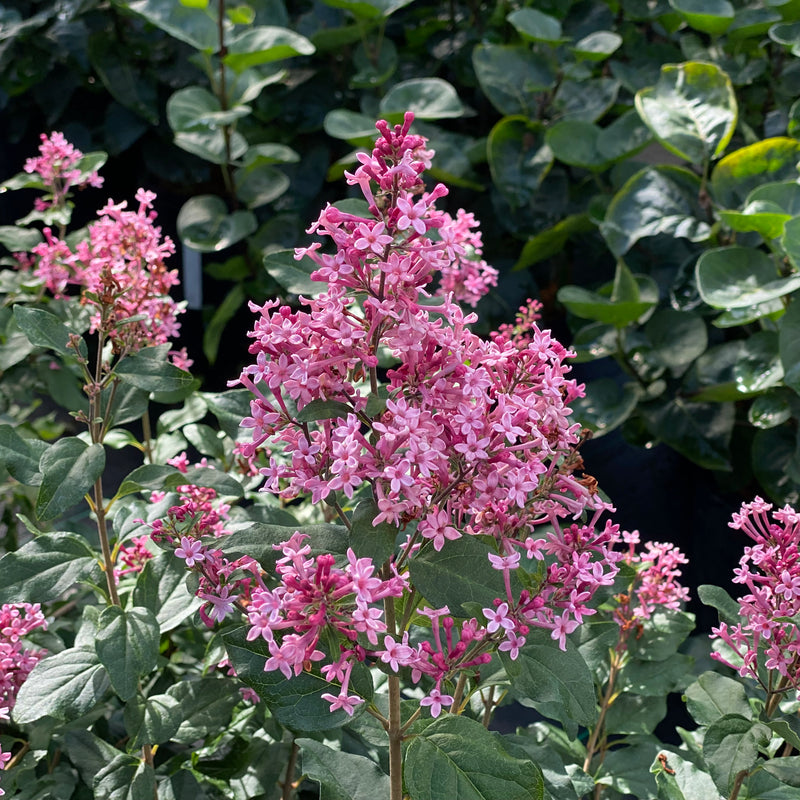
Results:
x,y
341,775
349,125
790,241
512,77
43,568
261,184
759,366
293,275
263,44
428,98
677,337
585,100
770,409
150,370
737,277
739,173
700,432
519,159
195,27
194,108
324,409
708,16
692,110
789,345
760,216
774,460
536,26
597,46
712,378
205,225
69,469
66,686
678,778
457,757
656,200
606,405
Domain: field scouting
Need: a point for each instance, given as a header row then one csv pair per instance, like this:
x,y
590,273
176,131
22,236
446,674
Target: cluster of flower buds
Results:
x,y
768,634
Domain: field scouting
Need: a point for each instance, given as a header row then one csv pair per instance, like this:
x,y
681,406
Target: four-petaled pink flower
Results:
x,y
435,700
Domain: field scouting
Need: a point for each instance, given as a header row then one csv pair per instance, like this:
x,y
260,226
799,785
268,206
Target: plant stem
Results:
x,y
288,781
102,532
147,435
591,745
737,784
395,729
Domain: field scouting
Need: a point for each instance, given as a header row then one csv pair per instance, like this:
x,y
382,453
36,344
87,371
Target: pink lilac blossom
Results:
x,y
472,437
56,166
766,636
133,555
17,620
4,759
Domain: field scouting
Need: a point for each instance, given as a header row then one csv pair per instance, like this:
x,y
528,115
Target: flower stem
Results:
x,y
395,728
592,744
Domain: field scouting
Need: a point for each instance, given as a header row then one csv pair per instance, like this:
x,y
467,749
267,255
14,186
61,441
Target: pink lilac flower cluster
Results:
x,y
133,555
17,620
768,634
56,166
224,584
121,272
655,585
471,437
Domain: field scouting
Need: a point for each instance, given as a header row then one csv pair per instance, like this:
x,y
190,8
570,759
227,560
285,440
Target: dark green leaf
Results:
x,y
730,746
585,100
708,16
147,478
712,696
293,275
606,405
459,574
260,184
161,588
634,714
666,631
428,98
770,409
125,778
323,409
66,686
556,683
677,337
150,370
127,646
205,225
152,720
536,26
456,757
69,469
18,457
44,329
206,706
717,597
195,27
263,44
774,461
43,568
660,199
196,109
552,241
786,770
342,776
221,482
368,540
789,344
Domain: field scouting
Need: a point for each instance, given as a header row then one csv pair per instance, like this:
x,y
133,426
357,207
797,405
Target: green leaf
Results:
x,y
627,769
257,539
428,98
633,714
45,567
655,678
718,598
790,241
296,703
593,341
127,646
210,144
152,720
585,100
350,126
730,746
760,216
786,770
230,408
773,458
739,173
789,344
707,16
667,629
692,110
324,409
770,409
194,108
368,540
605,406
195,27
519,159
584,144
457,575
679,779
223,483
69,469
536,26
369,9
512,77
456,757
759,366
161,588
656,200
677,337
292,275
206,705
597,46
66,686
341,775
263,44
44,329
372,69
125,778
712,696
18,457
150,370
148,477
205,225
551,241
701,432
260,184
788,728
557,683
738,277
223,314
16,239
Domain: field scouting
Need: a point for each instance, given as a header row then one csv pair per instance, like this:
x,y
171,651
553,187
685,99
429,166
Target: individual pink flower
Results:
x,y
435,700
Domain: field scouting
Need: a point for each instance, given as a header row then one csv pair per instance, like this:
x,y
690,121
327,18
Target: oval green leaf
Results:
x,y
428,98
